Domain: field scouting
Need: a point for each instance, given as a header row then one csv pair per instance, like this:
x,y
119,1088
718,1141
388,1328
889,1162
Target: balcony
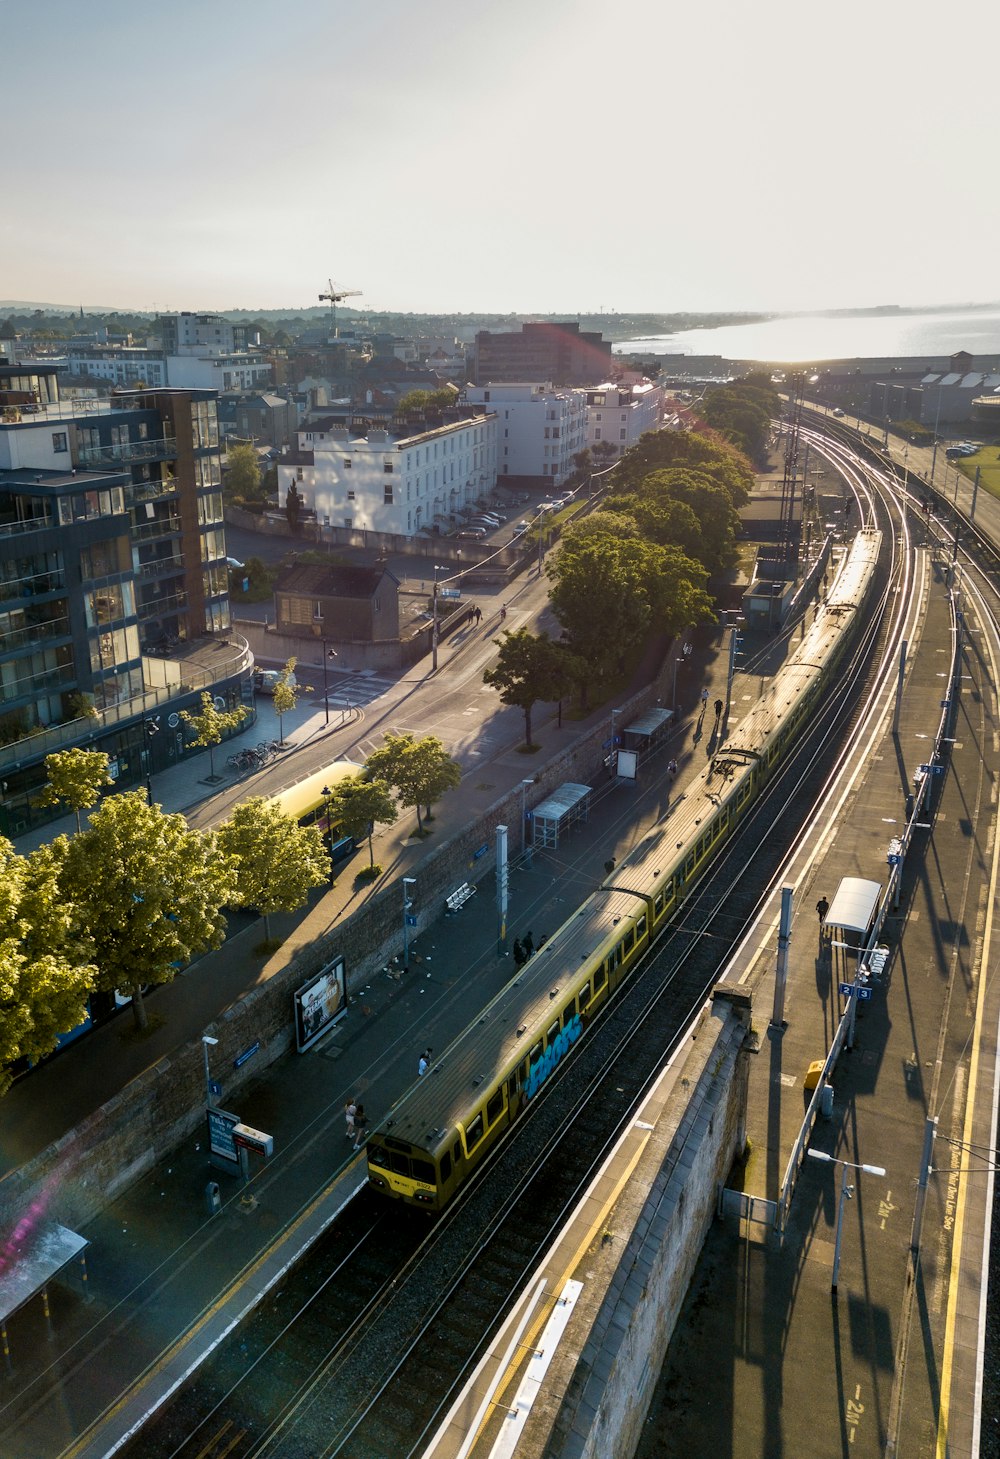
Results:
x,y
128,452
26,637
161,565
149,491
32,685
163,527
31,587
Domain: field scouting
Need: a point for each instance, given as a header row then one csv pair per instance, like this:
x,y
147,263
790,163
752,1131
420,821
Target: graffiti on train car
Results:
x,y
560,1045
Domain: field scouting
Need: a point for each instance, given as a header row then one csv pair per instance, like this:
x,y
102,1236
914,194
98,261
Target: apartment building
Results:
x,y
394,478
621,414
559,352
539,430
112,567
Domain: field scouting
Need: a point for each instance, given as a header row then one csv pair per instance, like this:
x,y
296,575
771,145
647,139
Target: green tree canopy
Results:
x,y
529,669
149,891
415,400
359,805
419,771
274,860
695,450
45,971
210,723
286,694
75,778
243,471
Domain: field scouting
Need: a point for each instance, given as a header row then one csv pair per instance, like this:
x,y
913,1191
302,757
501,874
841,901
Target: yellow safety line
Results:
x,y
970,1105
529,1336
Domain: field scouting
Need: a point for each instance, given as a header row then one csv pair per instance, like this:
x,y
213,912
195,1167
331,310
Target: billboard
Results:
x,y
320,1003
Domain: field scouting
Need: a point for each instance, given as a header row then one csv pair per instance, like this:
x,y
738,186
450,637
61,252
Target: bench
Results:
x,y
874,964
457,899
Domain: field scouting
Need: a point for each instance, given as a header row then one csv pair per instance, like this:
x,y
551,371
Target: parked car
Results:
x,y
837,412
471,534
566,497
234,563
521,528
486,519
549,506
265,680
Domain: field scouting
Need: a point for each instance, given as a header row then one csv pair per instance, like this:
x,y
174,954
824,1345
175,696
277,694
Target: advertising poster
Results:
x,y
319,1003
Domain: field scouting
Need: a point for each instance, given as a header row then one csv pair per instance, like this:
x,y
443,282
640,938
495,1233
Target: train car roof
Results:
x,y
509,1025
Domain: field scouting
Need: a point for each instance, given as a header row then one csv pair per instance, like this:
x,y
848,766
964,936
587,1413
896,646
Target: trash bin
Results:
x,y
213,1198
826,1101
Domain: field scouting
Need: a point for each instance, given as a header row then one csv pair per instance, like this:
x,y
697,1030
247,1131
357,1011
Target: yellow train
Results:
x,y
307,802
433,1139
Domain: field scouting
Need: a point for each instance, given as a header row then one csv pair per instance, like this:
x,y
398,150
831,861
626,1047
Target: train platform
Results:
x,y
781,1353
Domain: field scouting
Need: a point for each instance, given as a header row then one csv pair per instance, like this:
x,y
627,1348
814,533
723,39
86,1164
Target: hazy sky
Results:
x,y
528,155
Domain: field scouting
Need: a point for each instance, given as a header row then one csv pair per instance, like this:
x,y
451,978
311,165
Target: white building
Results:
x,y
539,429
191,352
127,366
386,481
621,414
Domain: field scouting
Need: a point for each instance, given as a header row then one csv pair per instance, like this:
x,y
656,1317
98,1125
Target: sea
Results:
x,y
806,338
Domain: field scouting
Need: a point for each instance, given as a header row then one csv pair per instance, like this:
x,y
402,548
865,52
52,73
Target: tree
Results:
x,y
45,972
604,451
528,669
75,777
293,507
150,893
211,723
274,860
286,694
419,771
243,471
359,805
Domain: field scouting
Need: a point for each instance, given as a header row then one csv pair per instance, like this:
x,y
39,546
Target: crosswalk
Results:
x,y
355,690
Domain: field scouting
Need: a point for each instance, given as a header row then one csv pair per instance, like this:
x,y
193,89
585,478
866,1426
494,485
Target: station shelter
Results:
x,y
851,915
559,813
646,734
36,1255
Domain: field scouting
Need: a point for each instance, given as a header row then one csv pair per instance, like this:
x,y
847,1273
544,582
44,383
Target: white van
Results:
x,y
266,680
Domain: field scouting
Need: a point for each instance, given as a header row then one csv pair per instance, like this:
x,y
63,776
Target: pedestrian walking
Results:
x,y
609,866
672,770
360,1126
704,699
424,1062
529,946
822,907
479,616
350,1110
503,612
719,707
520,956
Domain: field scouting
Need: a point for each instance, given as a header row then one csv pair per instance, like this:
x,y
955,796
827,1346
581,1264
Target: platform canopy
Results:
x,y
35,1254
650,724
853,908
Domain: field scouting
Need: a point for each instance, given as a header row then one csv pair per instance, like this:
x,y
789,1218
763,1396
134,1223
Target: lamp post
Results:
x,y
150,727
408,881
524,817
328,653
434,625
681,658
846,1191
208,1042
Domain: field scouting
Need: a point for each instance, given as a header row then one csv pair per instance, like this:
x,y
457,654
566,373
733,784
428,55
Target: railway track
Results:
x,y
358,1351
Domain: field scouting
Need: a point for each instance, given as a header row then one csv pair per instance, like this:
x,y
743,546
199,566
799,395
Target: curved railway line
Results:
x,y
358,1352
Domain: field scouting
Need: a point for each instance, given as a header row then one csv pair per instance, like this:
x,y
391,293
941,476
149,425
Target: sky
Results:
x,y
549,156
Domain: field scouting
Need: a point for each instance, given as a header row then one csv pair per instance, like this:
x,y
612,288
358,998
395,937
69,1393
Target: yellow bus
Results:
x,y
307,802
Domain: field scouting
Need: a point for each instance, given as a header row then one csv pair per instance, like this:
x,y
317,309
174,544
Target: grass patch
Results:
x,y
988,462
528,749
269,945
367,874
421,833
132,1035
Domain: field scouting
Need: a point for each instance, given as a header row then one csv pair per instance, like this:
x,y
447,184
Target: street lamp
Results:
x,y
208,1042
328,653
524,817
434,625
150,727
408,881
846,1191
681,658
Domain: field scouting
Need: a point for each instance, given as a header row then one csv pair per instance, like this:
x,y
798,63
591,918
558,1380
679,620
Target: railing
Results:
x,y
163,449
161,565
29,524
156,607
25,637
156,528
42,582
32,683
147,491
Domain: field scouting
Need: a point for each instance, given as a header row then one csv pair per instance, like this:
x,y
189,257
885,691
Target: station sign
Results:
x,y
855,990
247,1138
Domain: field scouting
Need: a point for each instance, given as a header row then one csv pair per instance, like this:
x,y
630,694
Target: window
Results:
x,y
494,1107
445,1166
347,463
597,416
350,496
597,434
59,441
622,434
387,467
474,1132
584,995
387,496
486,395
298,473
423,1170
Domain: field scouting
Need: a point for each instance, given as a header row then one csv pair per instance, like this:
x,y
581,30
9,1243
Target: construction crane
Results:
x,y
335,296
